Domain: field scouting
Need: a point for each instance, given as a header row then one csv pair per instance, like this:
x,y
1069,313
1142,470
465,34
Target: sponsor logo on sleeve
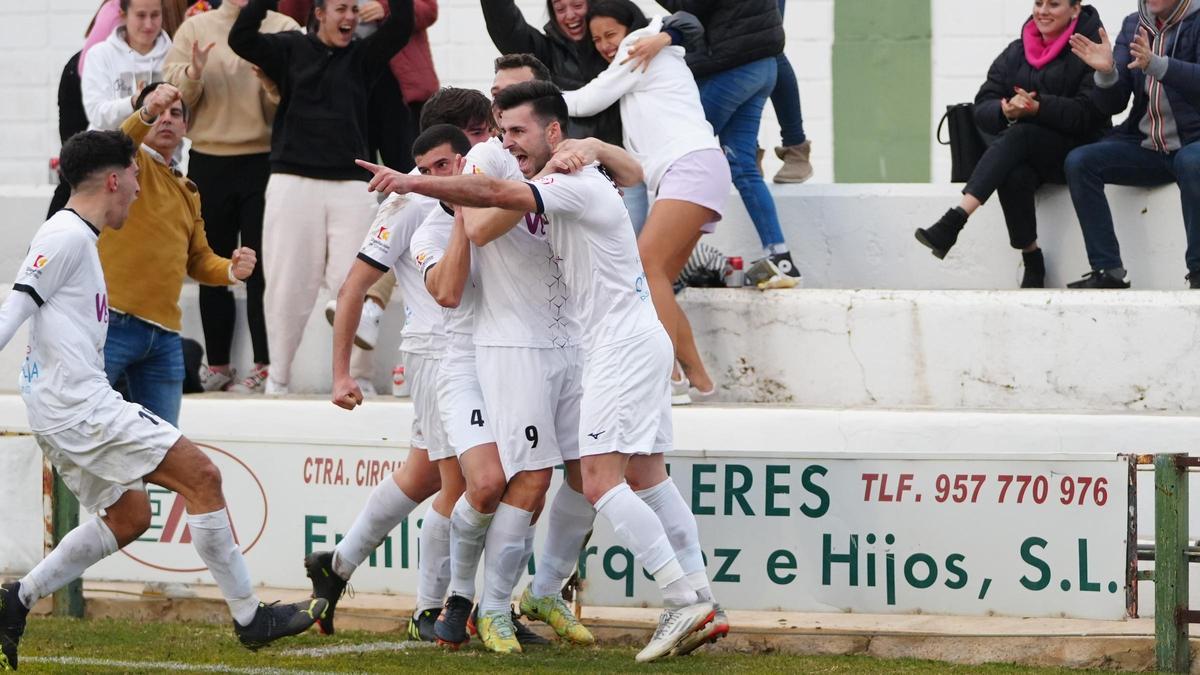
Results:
x,y
383,233
422,258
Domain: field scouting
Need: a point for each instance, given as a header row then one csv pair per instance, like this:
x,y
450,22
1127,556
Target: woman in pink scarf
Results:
x,y
1034,108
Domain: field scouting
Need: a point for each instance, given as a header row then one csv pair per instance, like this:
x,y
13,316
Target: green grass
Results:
x,y
203,644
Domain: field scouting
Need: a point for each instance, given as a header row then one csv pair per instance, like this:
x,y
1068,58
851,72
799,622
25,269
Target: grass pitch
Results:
x,y
57,645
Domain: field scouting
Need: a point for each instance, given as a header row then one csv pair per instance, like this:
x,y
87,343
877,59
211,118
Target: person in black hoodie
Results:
x,y
565,46
1037,106
317,205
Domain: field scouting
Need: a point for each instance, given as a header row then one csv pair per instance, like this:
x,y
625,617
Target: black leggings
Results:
x,y
232,193
1022,158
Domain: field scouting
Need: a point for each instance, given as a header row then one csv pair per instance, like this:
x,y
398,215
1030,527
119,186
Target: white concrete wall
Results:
x,y
36,38
967,37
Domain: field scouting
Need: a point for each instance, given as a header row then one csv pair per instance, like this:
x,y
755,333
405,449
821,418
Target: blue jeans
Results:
x,y
733,103
786,99
151,359
637,202
1124,162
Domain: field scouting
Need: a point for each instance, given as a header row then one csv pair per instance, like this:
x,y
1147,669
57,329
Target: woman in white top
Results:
x,y
121,66
686,171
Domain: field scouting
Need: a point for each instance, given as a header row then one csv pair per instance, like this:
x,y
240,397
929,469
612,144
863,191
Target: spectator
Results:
x,y
397,98
71,120
736,71
145,261
562,47
231,137
124,63
1157,60
785,98
317,205
1037,105
665,128
108,18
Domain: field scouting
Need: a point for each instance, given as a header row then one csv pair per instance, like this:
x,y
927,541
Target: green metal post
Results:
x,y
68,601
1170,565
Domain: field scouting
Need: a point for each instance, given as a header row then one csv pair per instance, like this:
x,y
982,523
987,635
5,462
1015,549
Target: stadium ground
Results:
x,y
56,645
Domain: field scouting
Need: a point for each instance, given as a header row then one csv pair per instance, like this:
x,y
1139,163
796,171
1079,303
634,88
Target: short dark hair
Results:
x,y
90,152
438,135
545,97
623,12
515,61
462,108
141,99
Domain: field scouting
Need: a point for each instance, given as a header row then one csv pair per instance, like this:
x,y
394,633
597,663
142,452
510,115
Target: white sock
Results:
x,y
680,524
435,561
213,540
641,532
571,517
468,528
83,547
385,508
504,551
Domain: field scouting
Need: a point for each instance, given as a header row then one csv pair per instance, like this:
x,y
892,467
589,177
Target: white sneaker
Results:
x,y
673,628
702,396
255,383
368,324
215,380
274,388
679,392
366,386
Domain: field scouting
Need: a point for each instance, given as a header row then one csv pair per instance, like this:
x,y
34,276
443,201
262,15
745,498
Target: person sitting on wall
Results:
x,y
1157,60
1037,105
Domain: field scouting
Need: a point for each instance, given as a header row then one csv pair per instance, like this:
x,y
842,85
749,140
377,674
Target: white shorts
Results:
x,y
533,396
460,402
110,452
626,404
427,431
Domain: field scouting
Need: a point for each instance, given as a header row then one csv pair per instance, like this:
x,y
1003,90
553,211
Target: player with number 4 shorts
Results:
x,y
620,418
105,448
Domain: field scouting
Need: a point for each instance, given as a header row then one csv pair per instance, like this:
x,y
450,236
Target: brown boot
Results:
x,y
796,167
758,158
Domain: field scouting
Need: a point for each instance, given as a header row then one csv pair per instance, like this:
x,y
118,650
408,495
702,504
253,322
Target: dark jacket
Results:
x,y
572,64
736,32
320,127
1181,83
1064,88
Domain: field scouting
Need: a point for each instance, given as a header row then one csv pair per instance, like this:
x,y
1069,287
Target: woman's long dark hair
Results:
x,y
623,12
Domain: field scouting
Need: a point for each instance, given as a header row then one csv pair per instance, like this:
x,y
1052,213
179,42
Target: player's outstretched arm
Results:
x,y
17,307
484,226
573,154
362,275
477,191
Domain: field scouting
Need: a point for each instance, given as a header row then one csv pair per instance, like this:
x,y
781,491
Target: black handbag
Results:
x,y
966,143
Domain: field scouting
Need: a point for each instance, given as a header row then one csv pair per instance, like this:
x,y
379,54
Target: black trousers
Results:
x,y
232,194
1020,161
391,127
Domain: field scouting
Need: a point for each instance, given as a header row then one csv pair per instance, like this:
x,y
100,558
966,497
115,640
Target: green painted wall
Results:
x,y
882,86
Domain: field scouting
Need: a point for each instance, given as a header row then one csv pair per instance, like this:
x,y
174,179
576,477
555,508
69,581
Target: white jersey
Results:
x,y
387,246
523,300
426,249
62,379
589,228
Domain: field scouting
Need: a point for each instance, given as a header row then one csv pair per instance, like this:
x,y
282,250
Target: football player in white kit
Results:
x,y
105,448
527,338
431,467
620,417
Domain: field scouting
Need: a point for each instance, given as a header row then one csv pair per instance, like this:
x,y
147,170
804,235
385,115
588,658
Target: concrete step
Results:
x,y
1110,351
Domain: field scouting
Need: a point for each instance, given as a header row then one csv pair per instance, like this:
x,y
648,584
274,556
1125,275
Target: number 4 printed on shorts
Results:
x,y
477,417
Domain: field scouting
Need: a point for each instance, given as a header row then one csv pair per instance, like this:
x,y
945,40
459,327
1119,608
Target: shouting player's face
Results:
x,y
336,22
527,139
123,186
440,161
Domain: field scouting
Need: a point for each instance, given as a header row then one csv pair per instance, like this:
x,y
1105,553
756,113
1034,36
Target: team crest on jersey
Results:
x,y
421,258
476,169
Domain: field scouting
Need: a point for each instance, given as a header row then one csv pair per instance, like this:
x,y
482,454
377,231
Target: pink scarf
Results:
x,y
1037,52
